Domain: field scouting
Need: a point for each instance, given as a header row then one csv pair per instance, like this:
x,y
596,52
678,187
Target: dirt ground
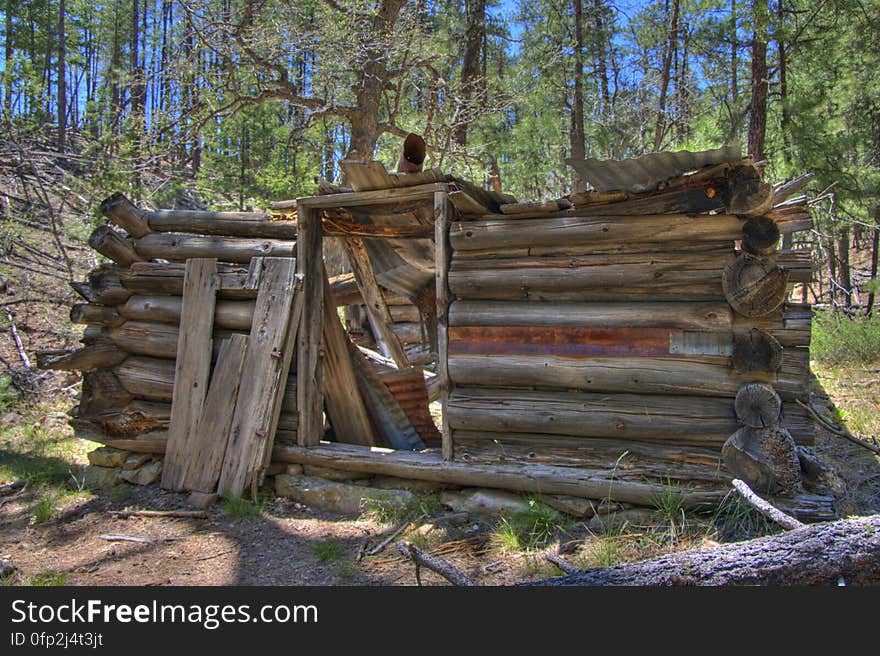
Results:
x,y
289,544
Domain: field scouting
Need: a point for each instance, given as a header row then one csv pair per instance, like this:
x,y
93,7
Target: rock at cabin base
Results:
x,y
146,475
136,460
485,502
765,458
334,496
105,456
317,471
98,478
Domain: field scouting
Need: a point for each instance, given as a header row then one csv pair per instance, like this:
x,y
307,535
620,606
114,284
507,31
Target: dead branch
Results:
x,y
435,564
181,514
400,529
560,562
785,521
837,430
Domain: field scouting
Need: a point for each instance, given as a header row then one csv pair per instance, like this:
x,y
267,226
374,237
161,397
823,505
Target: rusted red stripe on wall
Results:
x,y
573,342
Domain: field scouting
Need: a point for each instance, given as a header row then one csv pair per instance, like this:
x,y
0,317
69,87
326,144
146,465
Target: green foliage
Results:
x,y
241,507
8,393
45,579
529,530
735,519
838,338
387,511
329,550
43,510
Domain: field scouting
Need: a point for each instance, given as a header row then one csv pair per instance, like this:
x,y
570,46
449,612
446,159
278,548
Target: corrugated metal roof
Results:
x,y
645,173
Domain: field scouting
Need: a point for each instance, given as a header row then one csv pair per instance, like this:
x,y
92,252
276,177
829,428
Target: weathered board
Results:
x,y
192,367
261,381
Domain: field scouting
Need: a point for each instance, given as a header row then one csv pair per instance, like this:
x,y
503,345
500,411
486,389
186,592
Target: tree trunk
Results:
x,y
875,246
843,267
8,53
785,118
813,555
601,41
758,107
62,78
576,135
666,73
470,66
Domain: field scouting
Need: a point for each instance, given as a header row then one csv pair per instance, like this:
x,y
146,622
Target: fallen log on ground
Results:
x,y
819,554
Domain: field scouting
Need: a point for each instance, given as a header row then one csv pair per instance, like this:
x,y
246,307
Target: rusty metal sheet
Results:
x,y
566,342
411,392
646,172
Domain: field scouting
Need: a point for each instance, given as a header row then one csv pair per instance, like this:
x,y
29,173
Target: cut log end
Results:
x,y
758,405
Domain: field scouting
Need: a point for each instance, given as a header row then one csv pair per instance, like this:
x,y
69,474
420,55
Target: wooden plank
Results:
x,y
360,198
345,405
310,265
686,316
193,366
204,453
265,360
377,309
571,230
442,216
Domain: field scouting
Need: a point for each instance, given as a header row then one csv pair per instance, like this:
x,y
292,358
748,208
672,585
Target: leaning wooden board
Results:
x,y
193,365
268,354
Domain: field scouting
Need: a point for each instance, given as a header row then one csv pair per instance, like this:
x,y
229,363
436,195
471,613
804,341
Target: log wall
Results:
x,y
132,307
618,341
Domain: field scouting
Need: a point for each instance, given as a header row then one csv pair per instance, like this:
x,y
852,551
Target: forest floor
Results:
x,y
57,532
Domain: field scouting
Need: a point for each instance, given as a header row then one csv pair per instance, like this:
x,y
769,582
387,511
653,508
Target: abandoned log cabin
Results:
x,y
613,345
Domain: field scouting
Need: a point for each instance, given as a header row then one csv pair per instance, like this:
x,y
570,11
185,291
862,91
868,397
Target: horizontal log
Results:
x,y
142,416
180,247
600,248
689,376
430,466
671,419
688,276
823,554
167,278
569,230
153,379
151,338
687,316
409,333
236,315
630,460
229,224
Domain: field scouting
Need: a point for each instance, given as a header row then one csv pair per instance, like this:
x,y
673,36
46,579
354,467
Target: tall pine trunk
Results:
x,y
62,78
666,73
758,105
470,67
576,134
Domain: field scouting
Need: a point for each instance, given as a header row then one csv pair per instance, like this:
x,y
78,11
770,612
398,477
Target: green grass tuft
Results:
x,y
329,550
240,507
44,509
529,530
